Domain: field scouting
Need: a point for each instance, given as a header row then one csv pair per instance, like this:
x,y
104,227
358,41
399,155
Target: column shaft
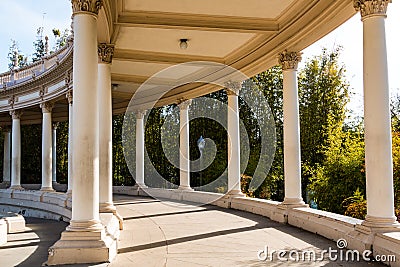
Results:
x,y
16,150
105,137
184,158
233,143
70,122
7,157
291,139
140,149
85,144
291,129
378,141
54,156
46,150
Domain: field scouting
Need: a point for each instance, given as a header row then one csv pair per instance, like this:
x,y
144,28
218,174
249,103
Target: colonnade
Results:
x,y
90,115
91,159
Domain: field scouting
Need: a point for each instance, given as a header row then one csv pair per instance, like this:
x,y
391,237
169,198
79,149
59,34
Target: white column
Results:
x,y
85,239
184,159
69,97
46,147
85,134
54,150
232,90
378,139
291,129
105,52
7,155
140,148
16,150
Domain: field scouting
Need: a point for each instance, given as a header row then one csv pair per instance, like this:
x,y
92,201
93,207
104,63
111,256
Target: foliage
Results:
x,y
341,173
31,153
15,56
60,38
121,174
62,152
39,46
396,168
356,206
323,95
271,84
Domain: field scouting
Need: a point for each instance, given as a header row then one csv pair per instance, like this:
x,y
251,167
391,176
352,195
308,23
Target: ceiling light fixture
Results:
x,y
183,43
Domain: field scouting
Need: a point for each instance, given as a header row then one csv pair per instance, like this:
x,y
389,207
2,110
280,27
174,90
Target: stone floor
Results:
x,y
165,233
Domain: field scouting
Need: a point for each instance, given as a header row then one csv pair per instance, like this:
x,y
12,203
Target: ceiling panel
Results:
x,y
253,8
200,43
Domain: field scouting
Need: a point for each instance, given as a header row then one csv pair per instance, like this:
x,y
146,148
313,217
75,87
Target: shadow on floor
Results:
x,y
315,241
47,231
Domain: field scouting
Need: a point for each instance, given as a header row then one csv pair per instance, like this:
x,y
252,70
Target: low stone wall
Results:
x,y
57,206
31,203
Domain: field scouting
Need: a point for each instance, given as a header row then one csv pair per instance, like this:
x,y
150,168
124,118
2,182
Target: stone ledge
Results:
x,y
3,232
15,222
330,225
388,244
263,207
46,205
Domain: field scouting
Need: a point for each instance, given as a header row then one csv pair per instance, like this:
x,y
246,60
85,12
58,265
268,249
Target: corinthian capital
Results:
x,y
184,104
371,7
47,107
233,87
16,114
140,113
86,6
105,52
69,96
289,60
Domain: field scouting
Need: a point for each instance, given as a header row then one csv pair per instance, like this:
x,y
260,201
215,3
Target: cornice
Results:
x,y
190,21
56,73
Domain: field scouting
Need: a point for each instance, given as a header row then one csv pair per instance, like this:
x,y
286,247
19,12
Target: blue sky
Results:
x,y
21,18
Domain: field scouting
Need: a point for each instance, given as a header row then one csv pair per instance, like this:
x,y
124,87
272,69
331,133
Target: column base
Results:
x,y
110,208
85,242
379,224
137,186
294,203
185,188
82,247
16,187
235,193
364,234
69,192
47,189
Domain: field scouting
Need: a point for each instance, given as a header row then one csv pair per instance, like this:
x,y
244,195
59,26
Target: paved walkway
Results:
x,y
174,234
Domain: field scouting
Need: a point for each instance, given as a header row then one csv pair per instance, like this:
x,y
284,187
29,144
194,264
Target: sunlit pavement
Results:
x,y
166,233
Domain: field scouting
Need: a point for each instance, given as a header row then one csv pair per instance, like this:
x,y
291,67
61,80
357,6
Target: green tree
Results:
x,y
271,84
60,38
323,95
39,46
341,174
15,56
